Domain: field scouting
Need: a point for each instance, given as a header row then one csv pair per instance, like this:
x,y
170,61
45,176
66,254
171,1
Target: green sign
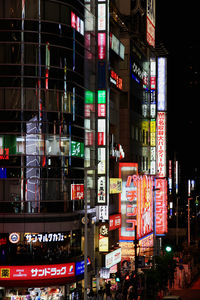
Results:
x,y
77,149
101,97
89,97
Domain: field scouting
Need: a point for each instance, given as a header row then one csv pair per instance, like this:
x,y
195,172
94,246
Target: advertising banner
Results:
x,y
103,237
161,206
77,191
37,272
113,258
115,185
128,200
151,20
114,222
161,143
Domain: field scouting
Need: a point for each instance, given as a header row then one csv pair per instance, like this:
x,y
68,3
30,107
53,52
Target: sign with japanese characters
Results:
x,y
128,200
44,237
113,258
103,237
114,221
37,272
77,191
151,15
161,144
161,206
102,190
115,185
162,84
4,153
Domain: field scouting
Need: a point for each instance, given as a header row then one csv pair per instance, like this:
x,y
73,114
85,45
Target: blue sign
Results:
x,y
80,267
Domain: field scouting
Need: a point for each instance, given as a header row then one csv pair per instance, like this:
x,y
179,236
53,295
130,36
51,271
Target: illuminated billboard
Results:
x,y
151,18
37,272
162,82
161,143
144,205
128,200
136,203
161,206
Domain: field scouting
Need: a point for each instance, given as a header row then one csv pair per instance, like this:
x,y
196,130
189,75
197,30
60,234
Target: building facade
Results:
x,y
43,92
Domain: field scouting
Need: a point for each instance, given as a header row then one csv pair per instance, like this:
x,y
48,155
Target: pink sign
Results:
x,y
102,45
161,206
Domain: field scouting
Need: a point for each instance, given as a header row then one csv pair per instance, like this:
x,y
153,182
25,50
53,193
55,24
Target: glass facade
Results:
x,y
42,98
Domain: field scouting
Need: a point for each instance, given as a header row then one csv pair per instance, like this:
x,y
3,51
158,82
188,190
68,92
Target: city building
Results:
x,y
83,144
43,92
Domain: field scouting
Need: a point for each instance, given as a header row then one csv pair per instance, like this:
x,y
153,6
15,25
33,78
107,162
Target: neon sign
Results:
x,y
161,144
77,191
116,80
4,153
161,206
162,83
77,23
37,272
102,45
128,200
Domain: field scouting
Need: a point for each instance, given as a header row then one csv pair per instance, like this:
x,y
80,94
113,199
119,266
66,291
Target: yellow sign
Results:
x,y
115,185
4,273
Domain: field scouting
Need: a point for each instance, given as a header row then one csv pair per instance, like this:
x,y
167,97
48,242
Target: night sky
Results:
x,y
178,27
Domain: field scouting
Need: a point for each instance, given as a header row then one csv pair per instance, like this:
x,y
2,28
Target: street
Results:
x,y
192,293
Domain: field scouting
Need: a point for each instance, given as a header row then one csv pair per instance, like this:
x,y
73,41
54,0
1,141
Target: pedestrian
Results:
x,y
91,295
119,295
108,296
108,286
130,293
100,295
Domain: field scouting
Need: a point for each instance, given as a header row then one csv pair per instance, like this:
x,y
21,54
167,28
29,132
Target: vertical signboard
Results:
x,y
102,108
128,200
161,144
152,116
151,20
162,83
145,206
161,207
103,237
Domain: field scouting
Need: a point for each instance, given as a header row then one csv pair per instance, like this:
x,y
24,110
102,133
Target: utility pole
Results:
x,y
136,263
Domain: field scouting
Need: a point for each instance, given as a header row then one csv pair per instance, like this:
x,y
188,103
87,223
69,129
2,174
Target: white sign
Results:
x,y
101,190
102,212
113,258
44,237
101,17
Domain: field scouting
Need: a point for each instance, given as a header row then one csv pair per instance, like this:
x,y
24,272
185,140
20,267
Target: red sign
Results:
x,y
37,272
161,206
3,241
77,191
101,139
114,222
4,153
115,79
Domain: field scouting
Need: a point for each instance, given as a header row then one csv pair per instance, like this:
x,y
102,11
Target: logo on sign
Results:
x,y
14,237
